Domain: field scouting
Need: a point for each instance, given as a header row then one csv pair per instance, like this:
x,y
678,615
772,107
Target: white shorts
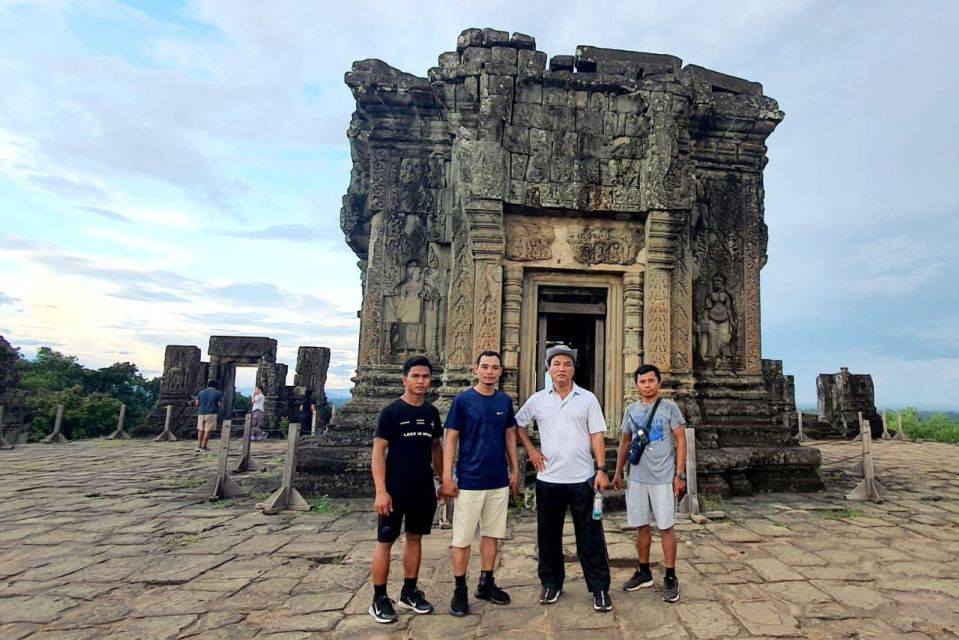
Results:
x,y
485,508
646,501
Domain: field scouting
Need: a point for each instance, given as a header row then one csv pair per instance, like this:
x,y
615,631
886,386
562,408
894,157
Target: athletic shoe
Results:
x,y
382,610
206,448
641,579
199,449
601,601
489,591
670,589
460,604
414,601
549,595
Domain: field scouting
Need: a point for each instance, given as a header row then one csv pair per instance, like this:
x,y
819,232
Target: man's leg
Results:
x,y
551,505
492,530
590,539
644,540
412,555
419,522
466,516
387,529
664,508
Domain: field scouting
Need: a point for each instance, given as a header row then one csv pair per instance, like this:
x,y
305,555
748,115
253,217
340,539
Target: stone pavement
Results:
x,y
99,539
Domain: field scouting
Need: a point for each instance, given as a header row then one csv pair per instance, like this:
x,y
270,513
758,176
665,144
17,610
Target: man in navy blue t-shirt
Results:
x,y
481,423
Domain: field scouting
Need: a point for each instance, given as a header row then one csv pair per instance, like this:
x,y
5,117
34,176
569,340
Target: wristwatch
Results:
x,y
681,476
603,469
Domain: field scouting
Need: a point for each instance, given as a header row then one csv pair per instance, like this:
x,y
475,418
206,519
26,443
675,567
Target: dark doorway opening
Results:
x,y
576,317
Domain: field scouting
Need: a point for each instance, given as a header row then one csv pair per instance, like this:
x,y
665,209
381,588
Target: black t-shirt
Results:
x,y
409,432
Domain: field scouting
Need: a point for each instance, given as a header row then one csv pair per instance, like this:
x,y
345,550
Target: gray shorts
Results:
x,y
646,501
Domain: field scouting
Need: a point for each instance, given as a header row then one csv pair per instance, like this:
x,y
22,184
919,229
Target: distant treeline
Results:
x,y
91,397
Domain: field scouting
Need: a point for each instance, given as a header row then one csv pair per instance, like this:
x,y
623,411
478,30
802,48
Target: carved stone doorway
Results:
x,y
583,311
576,317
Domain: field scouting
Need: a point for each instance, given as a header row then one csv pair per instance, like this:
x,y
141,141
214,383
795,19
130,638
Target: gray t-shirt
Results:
x,y
658,464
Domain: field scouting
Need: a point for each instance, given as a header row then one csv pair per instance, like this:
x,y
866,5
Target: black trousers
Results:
x,y
552,502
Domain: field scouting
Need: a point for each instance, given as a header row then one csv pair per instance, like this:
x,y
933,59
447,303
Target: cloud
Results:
x,y
7,300
106,213
290,232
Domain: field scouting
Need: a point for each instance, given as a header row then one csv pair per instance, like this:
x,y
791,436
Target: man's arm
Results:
x,y
621,454
449,487
383,502
438,459
598,442
513,458
678,483
538,459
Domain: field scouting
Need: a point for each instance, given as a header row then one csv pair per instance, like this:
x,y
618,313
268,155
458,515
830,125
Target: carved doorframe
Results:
x,y
533,281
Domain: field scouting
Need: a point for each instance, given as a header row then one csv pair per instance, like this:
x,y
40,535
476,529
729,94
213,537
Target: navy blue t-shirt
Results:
x,y
209,401
482,422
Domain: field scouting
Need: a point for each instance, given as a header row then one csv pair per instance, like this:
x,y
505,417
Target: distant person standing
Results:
x,y
307,411
208,403
256,417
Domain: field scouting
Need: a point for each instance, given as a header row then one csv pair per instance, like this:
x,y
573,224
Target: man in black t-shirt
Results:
x,y
406,442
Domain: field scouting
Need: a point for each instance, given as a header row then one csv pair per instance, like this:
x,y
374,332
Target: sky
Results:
x,y
174,170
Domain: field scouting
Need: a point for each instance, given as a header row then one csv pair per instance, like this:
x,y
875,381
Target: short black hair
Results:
x,y
416,361
213,384
489,353
646,368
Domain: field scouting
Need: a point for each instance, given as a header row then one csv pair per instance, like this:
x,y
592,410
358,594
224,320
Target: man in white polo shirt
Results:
x,y
571,428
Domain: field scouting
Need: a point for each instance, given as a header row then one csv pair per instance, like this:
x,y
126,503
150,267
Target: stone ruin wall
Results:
x,y
185,375
654,170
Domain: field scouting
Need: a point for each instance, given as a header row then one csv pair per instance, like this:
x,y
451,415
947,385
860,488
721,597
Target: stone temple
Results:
x,y
608,200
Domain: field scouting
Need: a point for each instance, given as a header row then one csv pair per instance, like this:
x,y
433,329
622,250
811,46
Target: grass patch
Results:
x,y
182,541
321,504
187,483
260,497
223,504
842,513
712,503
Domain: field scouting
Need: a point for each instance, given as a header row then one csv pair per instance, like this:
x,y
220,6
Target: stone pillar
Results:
x,y
512,305
633,327
754,258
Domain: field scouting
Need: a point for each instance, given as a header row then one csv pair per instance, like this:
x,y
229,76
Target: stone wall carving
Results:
x,y
526,242
606,245
608,164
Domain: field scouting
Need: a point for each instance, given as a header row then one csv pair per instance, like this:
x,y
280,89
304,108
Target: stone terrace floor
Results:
x,y
99,539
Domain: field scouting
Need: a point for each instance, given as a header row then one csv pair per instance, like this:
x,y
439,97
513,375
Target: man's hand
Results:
x,y
679,485
617,482
514,484
601,483
538,459
449,488
383,504
440,496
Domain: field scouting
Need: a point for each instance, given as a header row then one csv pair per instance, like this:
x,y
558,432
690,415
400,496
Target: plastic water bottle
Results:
x,y
598,505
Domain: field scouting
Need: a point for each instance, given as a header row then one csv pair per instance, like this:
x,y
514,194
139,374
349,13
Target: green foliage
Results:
x,y
842,513
242,402
91,398
321,504
84,415
937,427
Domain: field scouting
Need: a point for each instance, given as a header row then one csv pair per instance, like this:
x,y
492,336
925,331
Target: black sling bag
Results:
x,y
641,436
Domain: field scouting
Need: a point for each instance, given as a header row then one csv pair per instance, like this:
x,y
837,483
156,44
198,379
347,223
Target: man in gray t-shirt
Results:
x,y
659,477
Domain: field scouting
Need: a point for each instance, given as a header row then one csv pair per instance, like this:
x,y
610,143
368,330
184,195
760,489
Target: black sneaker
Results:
x,y
382,610
460,604
549,595
414,601
640,580
489,591
601,601
670,589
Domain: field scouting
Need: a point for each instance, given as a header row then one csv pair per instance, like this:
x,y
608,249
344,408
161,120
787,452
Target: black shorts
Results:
x,y
418,511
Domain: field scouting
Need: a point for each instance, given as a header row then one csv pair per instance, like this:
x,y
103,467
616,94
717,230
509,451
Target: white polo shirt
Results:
x,y
565,426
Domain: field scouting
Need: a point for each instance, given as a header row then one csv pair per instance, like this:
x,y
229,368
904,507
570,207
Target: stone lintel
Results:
x,y
721,82
590,59
242,347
